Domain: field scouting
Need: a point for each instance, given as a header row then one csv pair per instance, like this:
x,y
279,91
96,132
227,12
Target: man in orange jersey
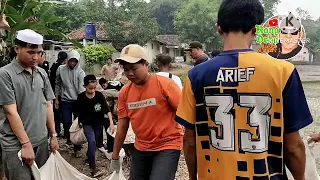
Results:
x,y
149,103
243,110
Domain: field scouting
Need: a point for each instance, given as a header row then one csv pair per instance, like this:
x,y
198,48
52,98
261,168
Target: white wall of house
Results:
x,y
154,48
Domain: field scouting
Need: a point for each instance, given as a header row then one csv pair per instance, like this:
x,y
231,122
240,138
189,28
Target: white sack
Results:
x,y
311,169
118,175
56,168
77,136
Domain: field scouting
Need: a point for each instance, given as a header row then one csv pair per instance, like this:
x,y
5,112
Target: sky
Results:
x,y
312,6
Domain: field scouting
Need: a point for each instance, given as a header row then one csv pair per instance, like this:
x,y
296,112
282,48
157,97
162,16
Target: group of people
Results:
x,y
237,116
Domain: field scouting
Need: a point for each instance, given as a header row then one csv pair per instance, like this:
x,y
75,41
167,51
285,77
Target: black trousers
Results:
x,y
110,139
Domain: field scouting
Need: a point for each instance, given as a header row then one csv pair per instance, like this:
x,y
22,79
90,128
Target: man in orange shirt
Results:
x,y
149,103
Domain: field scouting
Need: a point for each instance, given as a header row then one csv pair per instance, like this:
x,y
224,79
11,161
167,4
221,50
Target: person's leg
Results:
x,y
76,148
56,113
13,168
66,113
141,165
42,154
89,133
164,165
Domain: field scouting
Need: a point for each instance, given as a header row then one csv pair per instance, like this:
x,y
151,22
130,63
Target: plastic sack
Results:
x,y
77,136
118,175
311,169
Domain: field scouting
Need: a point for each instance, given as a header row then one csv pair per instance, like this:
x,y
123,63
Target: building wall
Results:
x,y
303,56
153,48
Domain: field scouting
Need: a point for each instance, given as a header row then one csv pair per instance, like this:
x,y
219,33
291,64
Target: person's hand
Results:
x,y
54,146
56,103
314,138
112,129
27,153
115,165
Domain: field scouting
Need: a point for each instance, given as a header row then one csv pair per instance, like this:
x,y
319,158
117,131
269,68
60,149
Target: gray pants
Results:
x,y
159,165
13,168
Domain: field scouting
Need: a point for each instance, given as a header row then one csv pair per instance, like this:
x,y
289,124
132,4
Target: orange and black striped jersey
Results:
x,y
240,104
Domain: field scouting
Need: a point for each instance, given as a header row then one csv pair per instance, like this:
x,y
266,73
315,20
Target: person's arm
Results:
x,y
173,94
296,116
186,116
58,84
8,101
123,125
102,70
81,82
107,111
49,95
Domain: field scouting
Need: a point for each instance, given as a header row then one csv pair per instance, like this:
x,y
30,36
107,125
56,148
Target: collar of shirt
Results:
x,y
19,69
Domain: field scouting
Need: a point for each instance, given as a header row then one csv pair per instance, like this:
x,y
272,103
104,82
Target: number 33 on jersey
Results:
x,y
240,105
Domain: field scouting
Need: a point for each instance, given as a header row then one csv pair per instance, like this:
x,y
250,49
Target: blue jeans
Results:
x,y
92,134
67,109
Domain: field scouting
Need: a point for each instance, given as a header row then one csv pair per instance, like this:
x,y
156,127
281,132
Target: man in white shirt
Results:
x,y
164,65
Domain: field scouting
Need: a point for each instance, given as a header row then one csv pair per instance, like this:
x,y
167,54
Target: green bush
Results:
x,y
96,54
153,67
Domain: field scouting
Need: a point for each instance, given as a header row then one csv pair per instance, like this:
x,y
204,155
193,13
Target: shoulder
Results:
x,y
165,82
99,94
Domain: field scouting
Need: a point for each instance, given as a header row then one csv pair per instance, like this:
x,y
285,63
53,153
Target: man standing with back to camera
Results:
x,y
243,110
25,98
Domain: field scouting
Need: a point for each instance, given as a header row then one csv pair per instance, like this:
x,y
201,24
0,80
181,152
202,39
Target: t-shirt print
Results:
x,y
97,107
142,104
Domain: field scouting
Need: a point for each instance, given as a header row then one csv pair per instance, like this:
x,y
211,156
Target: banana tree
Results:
x,y
33,14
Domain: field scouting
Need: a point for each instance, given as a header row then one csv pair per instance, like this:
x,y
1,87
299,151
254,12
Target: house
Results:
x,y
165,44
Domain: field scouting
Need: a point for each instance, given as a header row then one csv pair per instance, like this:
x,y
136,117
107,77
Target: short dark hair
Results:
x,y
240,15
90,78
163,59
62,56
20,43
102,81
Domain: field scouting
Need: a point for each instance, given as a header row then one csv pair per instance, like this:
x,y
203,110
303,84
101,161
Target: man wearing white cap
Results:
x,y
149,103
69,84
25,98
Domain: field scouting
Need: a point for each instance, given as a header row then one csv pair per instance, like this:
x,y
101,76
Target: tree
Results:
x,y
269,7
201,28
163,11
130,21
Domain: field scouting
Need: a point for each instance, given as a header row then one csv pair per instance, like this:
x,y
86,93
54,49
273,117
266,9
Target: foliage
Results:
x,y
33,15
163,11
130,21
153,67
201,28
269,7
96,54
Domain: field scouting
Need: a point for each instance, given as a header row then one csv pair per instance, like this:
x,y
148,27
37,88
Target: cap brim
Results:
x,y
187,49
128,59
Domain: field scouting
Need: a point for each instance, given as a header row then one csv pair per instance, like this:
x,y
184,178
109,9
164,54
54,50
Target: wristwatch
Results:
x,y
54,135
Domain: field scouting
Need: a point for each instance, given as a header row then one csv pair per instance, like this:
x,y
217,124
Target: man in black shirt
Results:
x,y
92,109
62,57
196,52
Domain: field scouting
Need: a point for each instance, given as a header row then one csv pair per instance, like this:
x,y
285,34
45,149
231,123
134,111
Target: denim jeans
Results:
x,y
157,165
67,109
92,134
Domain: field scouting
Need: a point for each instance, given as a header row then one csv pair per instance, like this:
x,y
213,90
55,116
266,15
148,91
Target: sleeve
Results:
x,y
122,108
179,83
296,113
186,113
7,95
173,94
105,106
57,90
81,82
77,108
48,92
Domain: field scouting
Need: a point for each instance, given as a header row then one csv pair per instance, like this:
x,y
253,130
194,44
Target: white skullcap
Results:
x,y
74,54
30,36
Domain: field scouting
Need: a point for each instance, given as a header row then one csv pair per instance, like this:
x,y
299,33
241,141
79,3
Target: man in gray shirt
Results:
x,y
25,98
69,84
